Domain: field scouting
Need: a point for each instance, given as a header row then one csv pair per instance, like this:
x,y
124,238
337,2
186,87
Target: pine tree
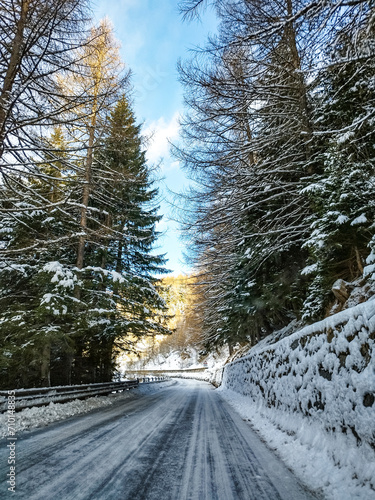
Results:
x,y
119,284
249,148
34,317
281,159
342,227
70,300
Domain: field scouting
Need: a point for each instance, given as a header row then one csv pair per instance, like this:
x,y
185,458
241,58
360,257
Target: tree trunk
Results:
x,y
13,66
106,351
77,371
359,260
45,366
86,195
296,63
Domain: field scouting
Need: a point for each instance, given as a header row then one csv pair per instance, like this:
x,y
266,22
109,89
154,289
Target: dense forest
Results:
x,y
78,203
277,138
279,142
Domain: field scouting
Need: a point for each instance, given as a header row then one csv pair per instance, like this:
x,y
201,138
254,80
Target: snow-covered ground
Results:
x,y
311,397
310,394
181,443
32,418
325,461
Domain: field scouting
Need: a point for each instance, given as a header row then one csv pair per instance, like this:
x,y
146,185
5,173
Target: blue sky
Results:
x,y
153,38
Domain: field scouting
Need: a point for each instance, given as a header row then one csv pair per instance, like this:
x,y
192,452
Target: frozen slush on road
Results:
x,y
180,443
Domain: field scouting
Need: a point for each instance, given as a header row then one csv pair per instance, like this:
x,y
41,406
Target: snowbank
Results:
x,y
311,395
329,463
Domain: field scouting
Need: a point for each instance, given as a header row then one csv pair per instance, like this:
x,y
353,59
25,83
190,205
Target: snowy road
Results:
x,y
183,442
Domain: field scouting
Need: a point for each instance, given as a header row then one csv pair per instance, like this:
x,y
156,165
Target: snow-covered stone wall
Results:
x,y
326,371
214,376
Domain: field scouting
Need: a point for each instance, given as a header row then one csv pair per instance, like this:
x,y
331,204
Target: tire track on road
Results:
x,y
181,443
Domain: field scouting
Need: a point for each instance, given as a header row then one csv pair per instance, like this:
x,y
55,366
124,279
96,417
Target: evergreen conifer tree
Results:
x,y
343,223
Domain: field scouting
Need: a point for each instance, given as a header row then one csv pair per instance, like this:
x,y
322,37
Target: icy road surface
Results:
x,y
183,442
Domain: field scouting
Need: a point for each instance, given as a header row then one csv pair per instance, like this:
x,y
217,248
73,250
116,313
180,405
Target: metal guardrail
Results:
x,y
40,396
149,380
169,372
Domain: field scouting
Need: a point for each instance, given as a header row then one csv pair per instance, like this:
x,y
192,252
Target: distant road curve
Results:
x,y
181,443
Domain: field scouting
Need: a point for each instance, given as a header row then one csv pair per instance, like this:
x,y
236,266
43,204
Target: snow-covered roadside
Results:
x,y
311,396
203,376
32,418
325,461
212,376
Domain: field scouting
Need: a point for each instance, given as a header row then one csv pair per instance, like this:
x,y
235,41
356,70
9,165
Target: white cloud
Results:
x,y
161,131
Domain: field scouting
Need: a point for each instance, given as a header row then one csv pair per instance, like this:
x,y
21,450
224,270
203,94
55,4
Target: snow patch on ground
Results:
x,y
32,418
325,461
